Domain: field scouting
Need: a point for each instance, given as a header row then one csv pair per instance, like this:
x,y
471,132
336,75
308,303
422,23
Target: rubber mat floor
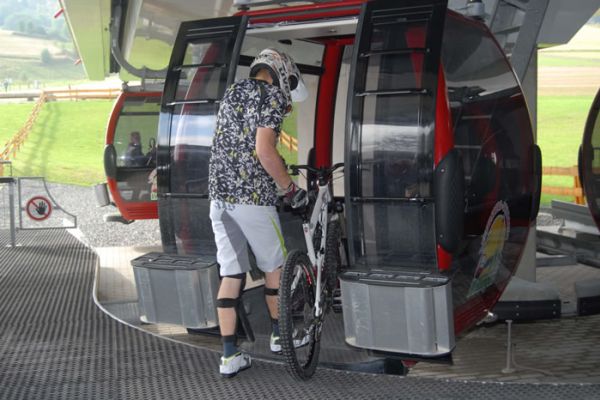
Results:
x,y
55,343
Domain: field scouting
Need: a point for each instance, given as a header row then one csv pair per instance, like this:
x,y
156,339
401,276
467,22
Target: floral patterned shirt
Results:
x,y
235,174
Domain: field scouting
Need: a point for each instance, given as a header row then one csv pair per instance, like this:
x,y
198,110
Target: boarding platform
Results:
x,y
60,340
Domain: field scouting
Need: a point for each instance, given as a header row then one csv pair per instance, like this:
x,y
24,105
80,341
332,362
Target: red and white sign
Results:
x,y
38,208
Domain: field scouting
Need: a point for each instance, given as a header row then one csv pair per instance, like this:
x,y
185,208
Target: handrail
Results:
x,y
290,142
80,94
14,144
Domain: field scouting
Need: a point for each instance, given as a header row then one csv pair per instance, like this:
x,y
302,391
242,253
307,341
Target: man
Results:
x,y
134,157
245,170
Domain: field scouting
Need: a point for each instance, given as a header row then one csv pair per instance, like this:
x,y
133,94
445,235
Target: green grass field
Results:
x,y
58,73
20,60
565,60
561,120
67,142
13,116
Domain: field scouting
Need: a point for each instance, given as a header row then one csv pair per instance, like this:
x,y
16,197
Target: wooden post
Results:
x,y
579,198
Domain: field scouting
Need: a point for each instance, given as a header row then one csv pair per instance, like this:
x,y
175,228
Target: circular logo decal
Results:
x,y
492,244
38,208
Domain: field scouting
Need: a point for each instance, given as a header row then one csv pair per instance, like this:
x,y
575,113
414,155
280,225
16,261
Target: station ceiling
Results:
x,y
148,29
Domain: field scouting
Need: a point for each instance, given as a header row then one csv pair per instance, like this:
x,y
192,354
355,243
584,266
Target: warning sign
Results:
x,y
38,208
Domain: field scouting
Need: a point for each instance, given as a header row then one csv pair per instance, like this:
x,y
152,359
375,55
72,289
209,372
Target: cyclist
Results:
x,y
245,170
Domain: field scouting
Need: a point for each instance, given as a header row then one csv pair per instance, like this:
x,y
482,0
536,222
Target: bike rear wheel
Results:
x,y
298,325
332,260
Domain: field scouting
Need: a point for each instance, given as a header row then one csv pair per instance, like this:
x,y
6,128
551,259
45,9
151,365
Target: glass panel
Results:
x,y
192,129
393,149
492,132
135,145
387,236
398,36
302,52
478,79
151,40
395,71
203,82
135,133
299,126
394,154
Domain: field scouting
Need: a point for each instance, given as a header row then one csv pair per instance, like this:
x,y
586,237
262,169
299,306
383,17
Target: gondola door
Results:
x,y
203,64
390,136
394,298
589,160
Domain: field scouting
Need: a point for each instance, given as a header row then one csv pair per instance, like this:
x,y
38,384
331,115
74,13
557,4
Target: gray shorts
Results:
x,y
237,225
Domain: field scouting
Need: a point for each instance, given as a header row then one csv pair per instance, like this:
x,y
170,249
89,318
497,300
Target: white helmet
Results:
x,y
284,72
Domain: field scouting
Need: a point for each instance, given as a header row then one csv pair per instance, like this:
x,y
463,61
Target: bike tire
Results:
x,y
301,362
332,259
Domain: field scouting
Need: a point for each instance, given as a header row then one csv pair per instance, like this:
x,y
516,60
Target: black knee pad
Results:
x,y
227,303
271,291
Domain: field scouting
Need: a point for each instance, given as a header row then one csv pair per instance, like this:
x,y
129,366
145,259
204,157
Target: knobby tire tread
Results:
x,y
286,323
332,257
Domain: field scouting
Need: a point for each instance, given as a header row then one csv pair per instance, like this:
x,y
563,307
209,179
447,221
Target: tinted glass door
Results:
x,y
389,143
203,64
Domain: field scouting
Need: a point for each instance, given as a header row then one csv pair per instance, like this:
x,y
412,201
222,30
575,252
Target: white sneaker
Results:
x,y
276,344
230,366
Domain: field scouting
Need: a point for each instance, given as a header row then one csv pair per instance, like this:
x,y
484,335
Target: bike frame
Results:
x,y
319,215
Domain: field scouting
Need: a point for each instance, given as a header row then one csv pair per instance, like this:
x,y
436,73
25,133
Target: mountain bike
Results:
x,y
309,278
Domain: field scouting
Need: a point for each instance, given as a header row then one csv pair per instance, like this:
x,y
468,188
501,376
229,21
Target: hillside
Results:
x,y
15,45
574,68
22,62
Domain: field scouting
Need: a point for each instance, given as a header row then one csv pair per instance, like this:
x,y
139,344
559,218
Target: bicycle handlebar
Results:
x,y
320,172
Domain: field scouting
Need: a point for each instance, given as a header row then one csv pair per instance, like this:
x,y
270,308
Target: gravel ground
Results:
x,y
81,201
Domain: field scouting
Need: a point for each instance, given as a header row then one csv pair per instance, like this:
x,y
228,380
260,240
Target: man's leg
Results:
x,y
272,300
230,289
233,259
233,361
272,292
262,230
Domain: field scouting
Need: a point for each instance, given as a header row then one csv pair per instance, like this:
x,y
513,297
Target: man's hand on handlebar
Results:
x,y
295,196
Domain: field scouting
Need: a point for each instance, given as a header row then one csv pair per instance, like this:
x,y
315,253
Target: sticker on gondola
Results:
x,y
492,245
38,208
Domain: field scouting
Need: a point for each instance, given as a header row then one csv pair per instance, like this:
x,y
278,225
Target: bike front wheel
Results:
x,y
298,325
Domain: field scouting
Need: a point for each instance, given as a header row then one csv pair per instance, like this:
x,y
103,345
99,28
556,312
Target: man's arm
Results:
x,y
269,157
